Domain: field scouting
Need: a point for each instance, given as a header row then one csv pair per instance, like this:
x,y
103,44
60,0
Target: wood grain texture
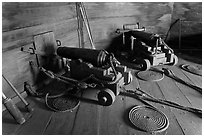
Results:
x,y
18,15
185,96
88,116
112,118
39,121
15,67
92,119
20,22
65,122
188,11
9,126
105,18
16,99
189,29
107,32
35,4
122,9
153,89
185,119
192,95
130,102
59,28
87,120
192,78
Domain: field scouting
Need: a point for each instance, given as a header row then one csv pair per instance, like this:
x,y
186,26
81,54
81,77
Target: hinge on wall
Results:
x,y
32,49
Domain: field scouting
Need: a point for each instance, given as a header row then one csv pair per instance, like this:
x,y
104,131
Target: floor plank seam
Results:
x,y
176,84
124,107
15,132
171,110
21,126
48,123
161,91
179,124
74,122
188,77
99,120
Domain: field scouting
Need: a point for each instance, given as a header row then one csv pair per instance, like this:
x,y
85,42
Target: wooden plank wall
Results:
x,y
20,21
105,18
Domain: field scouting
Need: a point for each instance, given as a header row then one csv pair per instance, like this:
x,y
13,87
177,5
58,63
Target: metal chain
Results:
x,y
80,84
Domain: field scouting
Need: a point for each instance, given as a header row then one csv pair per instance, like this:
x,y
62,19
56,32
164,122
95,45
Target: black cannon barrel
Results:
x,y
96,57
148,38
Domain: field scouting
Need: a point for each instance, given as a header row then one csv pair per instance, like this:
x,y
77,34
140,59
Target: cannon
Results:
x,y
99,65
147,49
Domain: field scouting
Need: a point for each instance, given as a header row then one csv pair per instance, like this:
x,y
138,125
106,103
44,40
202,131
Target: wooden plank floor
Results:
x,y
92,119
